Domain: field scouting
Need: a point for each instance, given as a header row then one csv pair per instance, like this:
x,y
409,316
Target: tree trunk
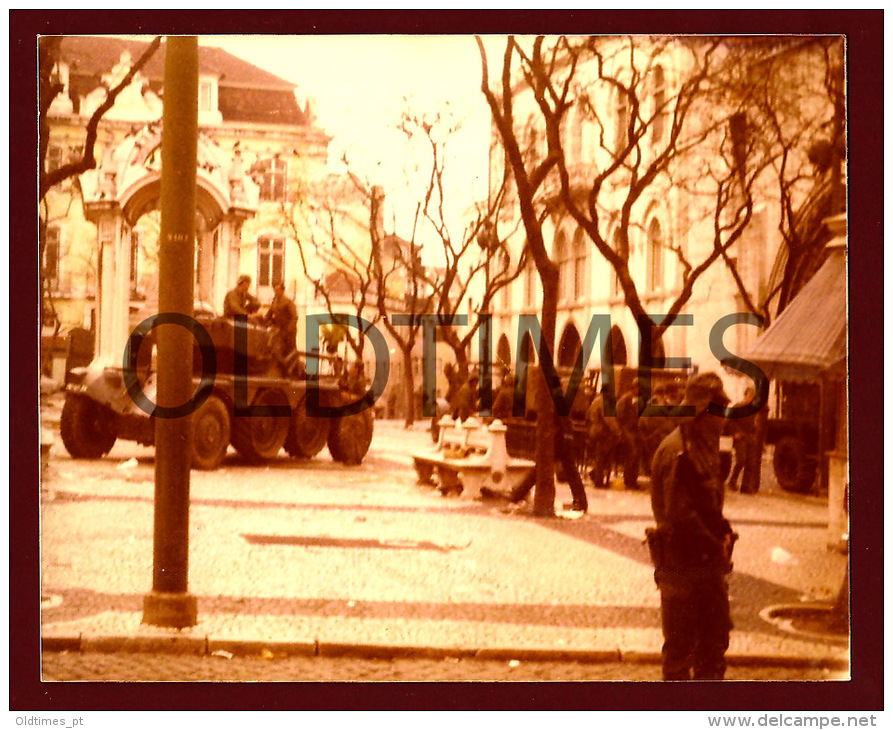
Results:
x,y
409,388
546,427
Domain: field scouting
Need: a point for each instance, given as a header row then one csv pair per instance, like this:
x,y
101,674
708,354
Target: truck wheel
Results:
x,y
210,434
306,436
794,471
350,437
261,437
89,429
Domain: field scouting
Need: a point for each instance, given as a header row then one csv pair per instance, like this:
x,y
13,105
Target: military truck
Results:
x,y
99,408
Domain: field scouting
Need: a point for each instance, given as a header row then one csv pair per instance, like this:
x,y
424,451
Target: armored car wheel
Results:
x,y
261,437
306,436
794,470
89,429
350,437
210,434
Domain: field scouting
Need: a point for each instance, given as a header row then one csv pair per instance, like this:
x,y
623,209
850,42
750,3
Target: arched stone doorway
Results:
x,y
615,349
127,186
527,350
503,353
526,359
569,347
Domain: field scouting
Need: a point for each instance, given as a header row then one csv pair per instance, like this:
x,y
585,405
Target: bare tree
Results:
x,y
688,134
339,223
665,139
476,263
528,175
399,268
329,221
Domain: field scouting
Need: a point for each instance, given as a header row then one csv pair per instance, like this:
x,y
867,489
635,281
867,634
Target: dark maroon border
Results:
x,y
864,30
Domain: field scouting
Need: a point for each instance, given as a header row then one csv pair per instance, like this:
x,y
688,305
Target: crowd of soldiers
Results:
x,y
692,542
624,442
621,436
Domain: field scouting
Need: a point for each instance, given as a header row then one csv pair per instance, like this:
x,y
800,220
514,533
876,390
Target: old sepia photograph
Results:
x,y
421,358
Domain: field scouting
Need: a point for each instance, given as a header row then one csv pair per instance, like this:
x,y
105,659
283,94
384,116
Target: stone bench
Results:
x,y
470,456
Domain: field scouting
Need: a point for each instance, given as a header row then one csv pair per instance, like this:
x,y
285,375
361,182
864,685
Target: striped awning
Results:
x,y
809,339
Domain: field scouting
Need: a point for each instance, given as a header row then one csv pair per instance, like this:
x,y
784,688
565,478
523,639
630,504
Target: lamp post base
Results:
x,y
173,610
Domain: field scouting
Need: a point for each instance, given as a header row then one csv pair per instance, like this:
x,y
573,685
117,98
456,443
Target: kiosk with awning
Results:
x,y
807,344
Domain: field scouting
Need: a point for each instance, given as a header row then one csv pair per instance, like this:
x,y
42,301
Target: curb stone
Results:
x,y
207,646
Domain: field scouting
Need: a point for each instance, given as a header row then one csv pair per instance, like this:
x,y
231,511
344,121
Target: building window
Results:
x,y
535,141
51,257
564,261
270,260
574,137
271,176
55,158
616,290
655,257
530,277
659,102
621,115
206,101
506,263
581,250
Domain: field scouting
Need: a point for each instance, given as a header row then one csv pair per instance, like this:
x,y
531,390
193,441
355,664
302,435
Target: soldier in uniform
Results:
x,y
653,429
747,443
505,398
691,547
283,317
463,399
240,300
603,433
628,409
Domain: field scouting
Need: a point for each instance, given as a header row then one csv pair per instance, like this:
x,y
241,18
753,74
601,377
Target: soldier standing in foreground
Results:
x,y
691,547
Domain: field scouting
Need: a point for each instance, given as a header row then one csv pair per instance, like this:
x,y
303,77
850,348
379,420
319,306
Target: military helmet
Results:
x,y
704,388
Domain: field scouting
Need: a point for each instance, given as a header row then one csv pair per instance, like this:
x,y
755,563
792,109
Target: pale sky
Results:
x,y
359,83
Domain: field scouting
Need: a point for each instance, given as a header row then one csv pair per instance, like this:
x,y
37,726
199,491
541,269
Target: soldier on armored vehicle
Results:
x,y
248,399
240,300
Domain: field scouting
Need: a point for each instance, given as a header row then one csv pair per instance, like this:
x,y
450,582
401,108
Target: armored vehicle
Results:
x,y
99,408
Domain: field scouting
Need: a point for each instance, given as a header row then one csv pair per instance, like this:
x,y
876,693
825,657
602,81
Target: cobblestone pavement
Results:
x,y
311,551
126,667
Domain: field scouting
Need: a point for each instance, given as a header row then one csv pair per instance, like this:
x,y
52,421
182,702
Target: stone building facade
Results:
x,y
624,105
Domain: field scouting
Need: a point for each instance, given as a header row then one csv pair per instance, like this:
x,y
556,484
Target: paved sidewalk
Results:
x,y
317,559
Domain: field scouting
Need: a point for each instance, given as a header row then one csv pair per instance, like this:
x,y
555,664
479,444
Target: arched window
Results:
x,y
504,352
569,347
655,256
615,348
659,102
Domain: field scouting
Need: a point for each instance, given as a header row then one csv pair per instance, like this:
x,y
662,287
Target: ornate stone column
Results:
x,y
113,296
